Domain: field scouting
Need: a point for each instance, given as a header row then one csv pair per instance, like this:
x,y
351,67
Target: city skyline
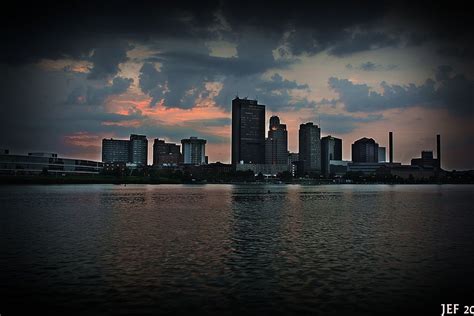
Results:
x,y
352,71
136,149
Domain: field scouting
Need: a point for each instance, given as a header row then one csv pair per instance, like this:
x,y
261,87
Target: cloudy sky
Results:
x,y
76,72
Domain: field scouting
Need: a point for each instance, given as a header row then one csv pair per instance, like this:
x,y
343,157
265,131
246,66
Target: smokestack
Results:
x,y
390,146
438,150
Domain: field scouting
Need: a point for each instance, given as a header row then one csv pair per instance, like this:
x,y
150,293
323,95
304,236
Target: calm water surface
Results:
x,y
143,249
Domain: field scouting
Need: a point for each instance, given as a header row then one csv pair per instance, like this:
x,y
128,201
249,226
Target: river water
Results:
x,y
222,249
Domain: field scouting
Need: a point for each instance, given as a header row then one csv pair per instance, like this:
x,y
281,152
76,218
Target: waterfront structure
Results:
x,y
331,149
338,168
248,131
46,163
369,168
276,145
194,151
381,155
138,150
166,154
115,150
365,150
216,170
411,172
267,170
310,147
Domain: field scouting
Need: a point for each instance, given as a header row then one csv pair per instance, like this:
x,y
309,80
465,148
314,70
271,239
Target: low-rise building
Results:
x,y
46,163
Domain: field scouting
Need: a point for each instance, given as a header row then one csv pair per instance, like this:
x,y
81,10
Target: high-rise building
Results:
x,y
194,151
166,154
381,155
276,145
248,131
331,149
310,147
115,150
138,150
365,150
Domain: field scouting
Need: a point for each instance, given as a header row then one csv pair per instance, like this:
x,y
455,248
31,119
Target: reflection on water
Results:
x,y
221,248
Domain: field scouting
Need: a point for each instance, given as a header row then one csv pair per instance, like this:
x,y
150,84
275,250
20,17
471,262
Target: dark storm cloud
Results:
x,y
54,29
87,94
366,41
107,57
74,29
370,66
276,92
453,92
312,27
183,75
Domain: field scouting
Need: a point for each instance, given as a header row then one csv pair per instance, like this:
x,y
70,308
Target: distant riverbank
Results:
x,y
104,179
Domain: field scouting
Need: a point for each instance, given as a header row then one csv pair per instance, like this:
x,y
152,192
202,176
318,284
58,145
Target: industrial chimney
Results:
x,y
390,146
438,150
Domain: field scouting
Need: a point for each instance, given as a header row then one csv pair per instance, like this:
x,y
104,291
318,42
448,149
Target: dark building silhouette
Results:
x,y
331,149
46,163
310,147
276,145
194,151
426,161
138,150
248,131
133,151
365,150
115,150
166,154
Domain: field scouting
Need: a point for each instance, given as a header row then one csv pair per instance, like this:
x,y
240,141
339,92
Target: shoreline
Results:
x,y
31,180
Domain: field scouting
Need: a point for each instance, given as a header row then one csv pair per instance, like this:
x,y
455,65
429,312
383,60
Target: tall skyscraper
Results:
x,y
115,150
331,149
166,154
276,145
194,151
248,131
310,147
138,150
365,150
